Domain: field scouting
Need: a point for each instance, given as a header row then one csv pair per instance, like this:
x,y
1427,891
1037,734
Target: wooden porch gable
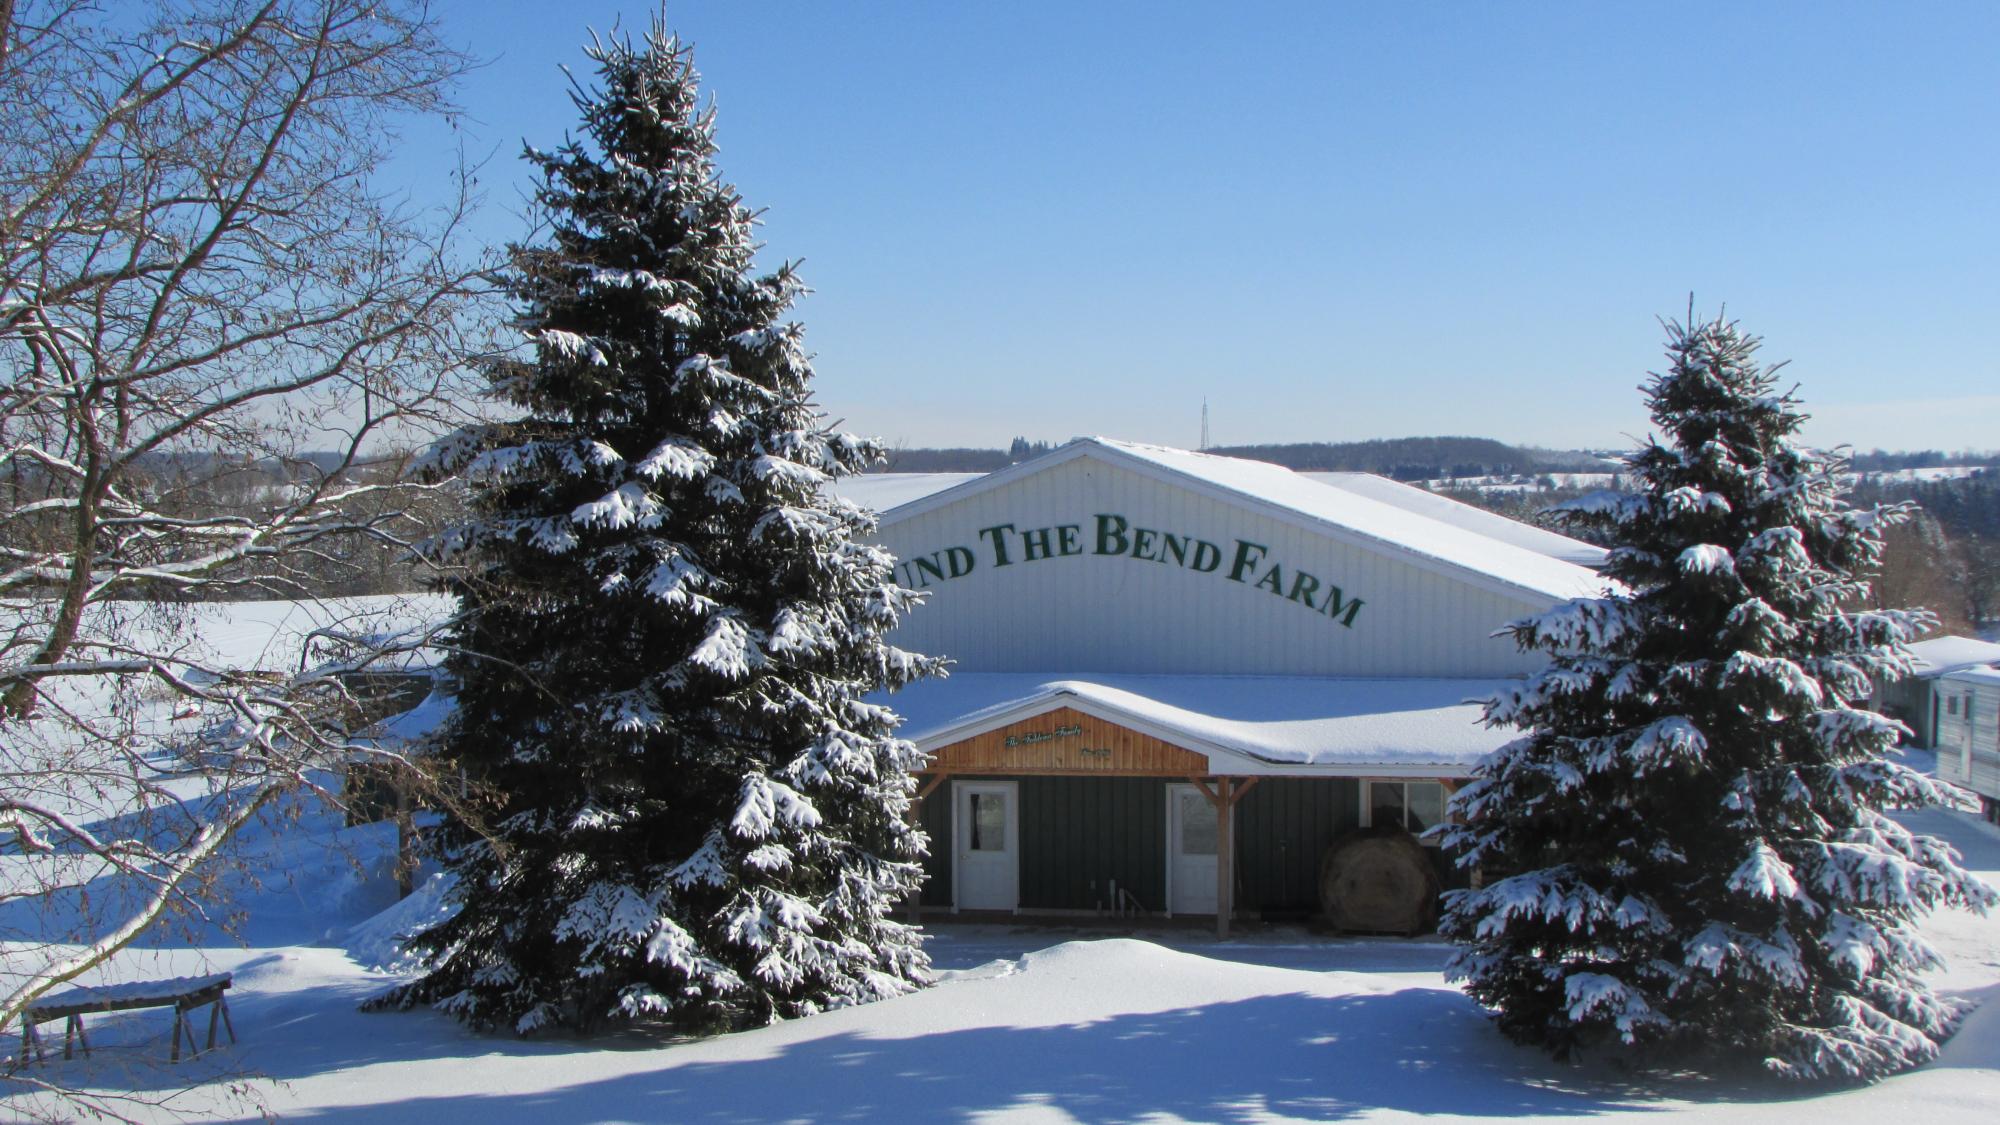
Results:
x,y
1065,741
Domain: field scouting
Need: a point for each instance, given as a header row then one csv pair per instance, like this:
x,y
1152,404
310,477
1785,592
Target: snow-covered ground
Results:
x,y
1025,1025
1535,482
1524,482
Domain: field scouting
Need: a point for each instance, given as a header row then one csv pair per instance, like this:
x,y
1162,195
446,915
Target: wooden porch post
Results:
x,y
1224,797
1225,855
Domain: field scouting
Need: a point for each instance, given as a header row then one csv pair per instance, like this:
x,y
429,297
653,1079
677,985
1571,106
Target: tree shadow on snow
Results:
x,y
1420,1050
1297,1056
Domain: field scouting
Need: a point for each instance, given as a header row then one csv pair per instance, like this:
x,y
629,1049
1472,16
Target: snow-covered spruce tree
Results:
x,y
668,624
1686,849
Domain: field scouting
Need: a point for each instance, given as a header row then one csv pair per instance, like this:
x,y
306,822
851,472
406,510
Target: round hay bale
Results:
x,y
1378,882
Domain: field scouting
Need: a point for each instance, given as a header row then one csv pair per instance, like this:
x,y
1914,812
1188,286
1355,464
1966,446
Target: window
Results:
x,y
1951,705
989,822
1415,805
1199,828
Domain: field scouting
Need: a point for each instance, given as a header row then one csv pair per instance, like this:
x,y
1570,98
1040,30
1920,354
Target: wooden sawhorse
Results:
x,y
182,994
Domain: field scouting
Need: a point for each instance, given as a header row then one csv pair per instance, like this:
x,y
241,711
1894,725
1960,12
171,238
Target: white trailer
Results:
x,y
1968,734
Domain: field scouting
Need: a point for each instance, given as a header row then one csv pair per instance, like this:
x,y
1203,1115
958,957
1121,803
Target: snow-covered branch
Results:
x,y
212,330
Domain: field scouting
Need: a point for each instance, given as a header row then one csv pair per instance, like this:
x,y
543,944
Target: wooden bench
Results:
x,y
182,994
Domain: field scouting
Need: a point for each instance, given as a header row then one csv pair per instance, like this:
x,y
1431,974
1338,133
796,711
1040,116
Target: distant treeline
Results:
x,y
227,489
944,461
961,460
1417,458
1945,556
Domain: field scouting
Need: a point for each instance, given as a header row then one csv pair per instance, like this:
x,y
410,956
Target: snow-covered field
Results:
x,y
1025,1025
1534,482
1929,473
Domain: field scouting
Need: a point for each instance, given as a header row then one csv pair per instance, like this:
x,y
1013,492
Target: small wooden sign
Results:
x,y
1066,741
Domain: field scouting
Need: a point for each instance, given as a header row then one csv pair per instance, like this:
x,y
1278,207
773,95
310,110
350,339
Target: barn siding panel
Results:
x,y
1079,834
1091,613
935,817
1283,826
1088,832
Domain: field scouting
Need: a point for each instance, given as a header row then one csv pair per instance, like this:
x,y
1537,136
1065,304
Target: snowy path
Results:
x,y
1112,1030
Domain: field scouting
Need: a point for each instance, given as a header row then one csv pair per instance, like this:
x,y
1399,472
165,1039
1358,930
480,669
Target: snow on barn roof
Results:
x,y
884,491
1279,724
1950,653
1471,517
1344,514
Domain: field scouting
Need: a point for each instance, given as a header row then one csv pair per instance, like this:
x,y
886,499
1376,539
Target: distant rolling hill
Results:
x,y
1415,458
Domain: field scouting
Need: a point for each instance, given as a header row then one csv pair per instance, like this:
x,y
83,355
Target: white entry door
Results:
x,y
987,825
1191,840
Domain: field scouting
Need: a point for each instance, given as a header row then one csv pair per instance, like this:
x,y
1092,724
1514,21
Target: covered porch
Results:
x,y
1086,799
1069,813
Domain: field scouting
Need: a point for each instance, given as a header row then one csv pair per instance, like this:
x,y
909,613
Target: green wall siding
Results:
x,y
935,817
1079,834
1283,826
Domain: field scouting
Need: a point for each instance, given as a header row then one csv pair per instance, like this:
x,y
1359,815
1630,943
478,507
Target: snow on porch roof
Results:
x,y
1343,513
1280,724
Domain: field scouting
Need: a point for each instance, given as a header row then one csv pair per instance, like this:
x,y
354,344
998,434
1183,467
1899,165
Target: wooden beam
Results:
x,y
1229,796
1225,853
914,812
1201,783
930,786
1225,794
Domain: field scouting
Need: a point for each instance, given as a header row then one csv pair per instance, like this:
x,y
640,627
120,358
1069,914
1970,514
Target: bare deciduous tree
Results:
x,y
1917,569
198,274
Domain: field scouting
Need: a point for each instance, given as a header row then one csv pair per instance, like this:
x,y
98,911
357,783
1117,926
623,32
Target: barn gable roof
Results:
x,y
1280,492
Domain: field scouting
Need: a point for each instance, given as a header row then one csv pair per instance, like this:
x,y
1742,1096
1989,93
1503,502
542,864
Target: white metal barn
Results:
x,y
1180,677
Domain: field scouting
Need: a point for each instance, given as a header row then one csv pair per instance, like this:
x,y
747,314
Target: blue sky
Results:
x,y
1333,221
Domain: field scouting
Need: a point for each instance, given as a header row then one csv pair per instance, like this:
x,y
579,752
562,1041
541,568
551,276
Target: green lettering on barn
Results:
x,y
1114,535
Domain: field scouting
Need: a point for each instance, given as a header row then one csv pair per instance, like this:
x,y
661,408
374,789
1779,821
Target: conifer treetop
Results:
x,y
670,624
1688,846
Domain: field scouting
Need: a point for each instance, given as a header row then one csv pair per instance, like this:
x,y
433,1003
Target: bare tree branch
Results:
x,y
213,329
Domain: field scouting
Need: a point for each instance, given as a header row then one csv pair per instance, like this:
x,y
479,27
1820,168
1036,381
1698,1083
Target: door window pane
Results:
x,y
1426,804
1197,825
989,822
1385,804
